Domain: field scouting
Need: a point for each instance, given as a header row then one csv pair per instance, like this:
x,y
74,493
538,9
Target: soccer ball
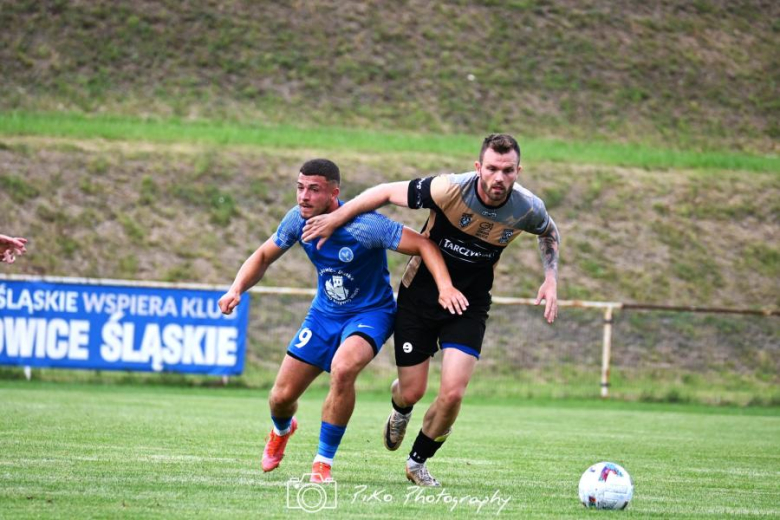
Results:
x,y
606,486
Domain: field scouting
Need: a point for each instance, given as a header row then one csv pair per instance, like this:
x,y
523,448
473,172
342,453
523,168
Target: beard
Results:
x,y
492,195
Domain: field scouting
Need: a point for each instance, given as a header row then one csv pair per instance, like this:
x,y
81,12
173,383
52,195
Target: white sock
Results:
x,y
282,432
326,460
413,464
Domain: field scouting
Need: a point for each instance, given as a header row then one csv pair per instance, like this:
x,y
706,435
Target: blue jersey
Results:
x,y
352,264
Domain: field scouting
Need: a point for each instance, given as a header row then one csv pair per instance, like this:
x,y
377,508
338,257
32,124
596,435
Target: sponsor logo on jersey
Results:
x,y
465,219
489,214
506,235
471,253
346,254
484,229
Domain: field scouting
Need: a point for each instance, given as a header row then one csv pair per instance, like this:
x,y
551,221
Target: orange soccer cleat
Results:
x,y
274,447
320,472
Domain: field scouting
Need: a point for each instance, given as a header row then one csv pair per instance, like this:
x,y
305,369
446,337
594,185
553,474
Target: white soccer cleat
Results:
x,y
419,475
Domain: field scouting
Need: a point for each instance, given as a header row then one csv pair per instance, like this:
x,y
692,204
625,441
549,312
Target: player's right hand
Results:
x,y
453,300
228,302
321,226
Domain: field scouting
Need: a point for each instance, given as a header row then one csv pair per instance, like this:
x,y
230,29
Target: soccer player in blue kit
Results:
x,y
351,316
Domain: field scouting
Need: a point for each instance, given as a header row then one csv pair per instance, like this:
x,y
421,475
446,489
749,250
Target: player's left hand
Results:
x,y
453,300
549,293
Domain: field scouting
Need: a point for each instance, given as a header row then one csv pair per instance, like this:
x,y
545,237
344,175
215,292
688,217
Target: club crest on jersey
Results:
x,y
346,254
337,286
336,290
506,235
465,219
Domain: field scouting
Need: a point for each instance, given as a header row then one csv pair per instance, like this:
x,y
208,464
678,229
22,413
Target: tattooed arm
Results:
x,y
548,249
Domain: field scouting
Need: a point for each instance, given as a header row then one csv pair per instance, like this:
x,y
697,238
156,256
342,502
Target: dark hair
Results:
x,y
323,167
499,143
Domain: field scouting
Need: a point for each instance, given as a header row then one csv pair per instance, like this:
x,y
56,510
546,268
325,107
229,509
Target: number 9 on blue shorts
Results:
x,y
321,335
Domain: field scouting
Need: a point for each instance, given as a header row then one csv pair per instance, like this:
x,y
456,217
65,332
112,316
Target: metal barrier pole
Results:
x,y
605,352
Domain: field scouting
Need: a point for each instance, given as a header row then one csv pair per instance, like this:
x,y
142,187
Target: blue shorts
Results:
x,y
321,334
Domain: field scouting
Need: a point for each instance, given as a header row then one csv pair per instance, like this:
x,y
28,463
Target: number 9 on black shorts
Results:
x,y
421,330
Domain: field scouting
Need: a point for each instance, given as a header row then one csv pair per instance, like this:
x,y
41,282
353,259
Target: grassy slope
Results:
x,y
152,452
700,74
194,212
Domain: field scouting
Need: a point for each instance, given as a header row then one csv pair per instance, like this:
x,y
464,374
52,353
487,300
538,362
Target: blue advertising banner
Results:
x,y
114,327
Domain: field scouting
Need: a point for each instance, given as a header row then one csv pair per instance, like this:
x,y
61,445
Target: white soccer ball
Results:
x,y
606,486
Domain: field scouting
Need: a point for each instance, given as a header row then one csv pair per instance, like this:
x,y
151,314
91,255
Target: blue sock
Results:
x,y
281,423
330,438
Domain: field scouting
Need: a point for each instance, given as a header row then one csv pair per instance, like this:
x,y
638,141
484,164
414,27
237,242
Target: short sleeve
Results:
x,y
376,231
539,219
289,230
419,193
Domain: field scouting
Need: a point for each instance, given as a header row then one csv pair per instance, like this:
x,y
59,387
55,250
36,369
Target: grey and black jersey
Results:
x,y
470,234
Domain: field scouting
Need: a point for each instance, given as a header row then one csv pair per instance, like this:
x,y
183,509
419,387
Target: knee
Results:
x,y
451,397
343,375
281,396
411,394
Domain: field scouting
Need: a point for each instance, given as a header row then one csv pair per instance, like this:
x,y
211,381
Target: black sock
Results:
x,y
424,448
405,411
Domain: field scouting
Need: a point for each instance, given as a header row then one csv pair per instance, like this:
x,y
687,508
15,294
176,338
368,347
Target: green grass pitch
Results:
x,y
82,451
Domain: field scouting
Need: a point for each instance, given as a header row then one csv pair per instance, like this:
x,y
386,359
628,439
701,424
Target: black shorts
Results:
x,y
421,329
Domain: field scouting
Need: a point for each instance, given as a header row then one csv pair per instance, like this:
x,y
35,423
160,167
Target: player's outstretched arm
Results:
x,y
323,226
11,247
251,272
548,248
413,243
